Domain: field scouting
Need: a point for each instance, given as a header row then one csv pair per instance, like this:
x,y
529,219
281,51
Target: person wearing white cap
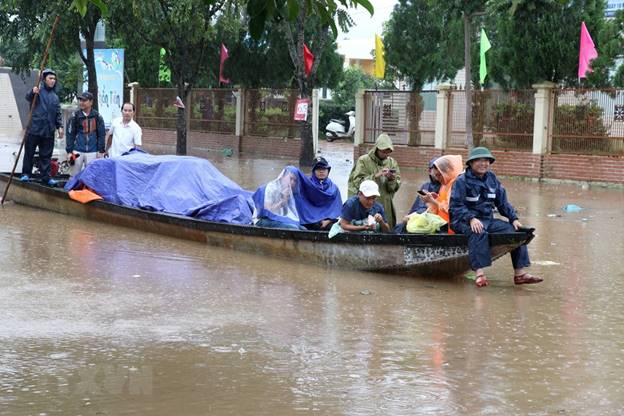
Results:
x,y
362,212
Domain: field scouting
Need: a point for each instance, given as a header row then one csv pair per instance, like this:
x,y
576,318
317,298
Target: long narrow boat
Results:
x,y
415,254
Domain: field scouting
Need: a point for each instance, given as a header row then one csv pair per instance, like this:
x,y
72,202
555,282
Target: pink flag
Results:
x,y
224,55
587,52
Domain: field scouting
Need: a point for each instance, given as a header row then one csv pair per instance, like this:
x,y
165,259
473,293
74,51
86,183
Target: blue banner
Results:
x,y
109,67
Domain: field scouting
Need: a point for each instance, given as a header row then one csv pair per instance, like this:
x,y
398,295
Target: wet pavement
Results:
x,y
102,320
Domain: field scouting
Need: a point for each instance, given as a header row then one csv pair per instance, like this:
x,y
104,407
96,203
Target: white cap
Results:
x,y
369,188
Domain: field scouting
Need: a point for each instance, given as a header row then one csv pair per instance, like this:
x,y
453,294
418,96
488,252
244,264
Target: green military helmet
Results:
x,y
480,153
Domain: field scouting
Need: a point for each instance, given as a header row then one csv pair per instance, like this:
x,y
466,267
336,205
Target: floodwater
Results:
x,y
102,320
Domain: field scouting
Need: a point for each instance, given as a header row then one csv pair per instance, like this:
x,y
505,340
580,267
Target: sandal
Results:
x,y
527,279
481,281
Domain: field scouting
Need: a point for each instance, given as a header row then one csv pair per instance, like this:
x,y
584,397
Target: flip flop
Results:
x,y
527,279
481,281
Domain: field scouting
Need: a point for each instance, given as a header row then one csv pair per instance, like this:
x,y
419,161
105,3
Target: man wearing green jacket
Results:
x,y
377,165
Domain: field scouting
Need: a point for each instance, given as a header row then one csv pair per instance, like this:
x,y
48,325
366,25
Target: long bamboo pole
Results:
x,y
32,106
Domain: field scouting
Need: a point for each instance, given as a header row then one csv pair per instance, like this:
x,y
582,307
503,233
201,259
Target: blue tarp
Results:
x,y
174,184
313,201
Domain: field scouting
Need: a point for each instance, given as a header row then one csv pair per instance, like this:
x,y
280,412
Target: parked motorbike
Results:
x,y
341,129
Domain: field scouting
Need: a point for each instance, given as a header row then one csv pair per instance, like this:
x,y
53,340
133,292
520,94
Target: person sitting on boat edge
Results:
x,y
474,196
378,166
433,186
362,212
328,195
275,202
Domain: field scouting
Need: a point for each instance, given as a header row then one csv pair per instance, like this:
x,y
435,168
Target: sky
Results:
x,y
360,40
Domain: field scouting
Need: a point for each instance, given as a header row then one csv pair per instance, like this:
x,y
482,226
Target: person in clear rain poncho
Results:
x,y
275,202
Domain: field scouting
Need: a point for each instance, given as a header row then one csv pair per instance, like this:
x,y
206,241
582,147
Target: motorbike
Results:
x,y
341,129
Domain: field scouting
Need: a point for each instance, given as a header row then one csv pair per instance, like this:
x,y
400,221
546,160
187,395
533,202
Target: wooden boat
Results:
x,y
415,254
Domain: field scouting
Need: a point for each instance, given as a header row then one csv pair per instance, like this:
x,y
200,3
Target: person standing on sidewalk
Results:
x,y
46,118
85,135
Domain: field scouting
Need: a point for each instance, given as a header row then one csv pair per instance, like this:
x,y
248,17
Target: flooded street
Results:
x,y
104,320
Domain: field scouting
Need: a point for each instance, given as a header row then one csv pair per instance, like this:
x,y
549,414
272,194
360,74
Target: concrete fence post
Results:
x,y
134,93
239,127
542,127
442,116
315,120
240,112
360,117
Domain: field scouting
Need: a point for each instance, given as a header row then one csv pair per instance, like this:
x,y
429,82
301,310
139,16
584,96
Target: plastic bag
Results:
x,y
425,223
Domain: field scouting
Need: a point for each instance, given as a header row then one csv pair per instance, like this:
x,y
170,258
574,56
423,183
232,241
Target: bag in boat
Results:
x,y
180,185
425,223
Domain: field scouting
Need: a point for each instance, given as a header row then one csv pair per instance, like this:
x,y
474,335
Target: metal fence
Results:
x,y
270,113
588,121
500,119
407,117
213,110
155,109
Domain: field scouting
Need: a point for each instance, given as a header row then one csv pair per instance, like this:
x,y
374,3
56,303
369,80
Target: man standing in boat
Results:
x,y
124,134
378,166
473,198
46,118
85,134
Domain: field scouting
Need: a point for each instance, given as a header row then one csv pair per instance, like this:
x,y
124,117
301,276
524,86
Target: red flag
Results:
x,y
308,60
224,55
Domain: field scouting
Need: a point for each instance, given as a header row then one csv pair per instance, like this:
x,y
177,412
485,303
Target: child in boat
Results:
x,y
362,212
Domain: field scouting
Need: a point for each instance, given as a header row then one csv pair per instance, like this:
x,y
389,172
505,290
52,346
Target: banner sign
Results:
x,y
301,109
109,67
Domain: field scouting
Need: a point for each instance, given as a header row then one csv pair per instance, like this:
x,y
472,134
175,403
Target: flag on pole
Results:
x,y
308,60
484,47
380,62
587,52
224,55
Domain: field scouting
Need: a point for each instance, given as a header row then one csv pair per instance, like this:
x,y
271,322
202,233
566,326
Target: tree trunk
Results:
x,y
306,156
468,82
181,122
414,112
91,73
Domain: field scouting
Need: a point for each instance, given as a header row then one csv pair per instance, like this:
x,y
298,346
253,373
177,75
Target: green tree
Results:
x,y
422,44
308,29
540,41
26,25
467,11
186,31
353,79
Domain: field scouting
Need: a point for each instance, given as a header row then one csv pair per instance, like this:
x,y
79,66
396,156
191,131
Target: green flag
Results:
x,y
485,46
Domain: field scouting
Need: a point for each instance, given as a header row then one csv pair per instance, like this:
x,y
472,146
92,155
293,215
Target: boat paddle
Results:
x,y
32,106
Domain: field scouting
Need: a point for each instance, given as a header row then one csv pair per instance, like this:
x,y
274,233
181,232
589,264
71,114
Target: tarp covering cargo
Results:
x,y
174,184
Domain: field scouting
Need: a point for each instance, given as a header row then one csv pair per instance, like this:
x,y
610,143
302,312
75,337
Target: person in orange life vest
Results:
x,y
445,170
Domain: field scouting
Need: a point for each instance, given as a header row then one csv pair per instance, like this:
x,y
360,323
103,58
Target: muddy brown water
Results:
x,y
102,320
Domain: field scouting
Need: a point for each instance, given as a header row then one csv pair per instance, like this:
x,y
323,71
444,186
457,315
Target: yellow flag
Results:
x,y
380,62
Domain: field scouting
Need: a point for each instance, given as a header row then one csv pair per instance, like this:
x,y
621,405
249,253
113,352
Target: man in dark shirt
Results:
x,y
46,119
362,212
